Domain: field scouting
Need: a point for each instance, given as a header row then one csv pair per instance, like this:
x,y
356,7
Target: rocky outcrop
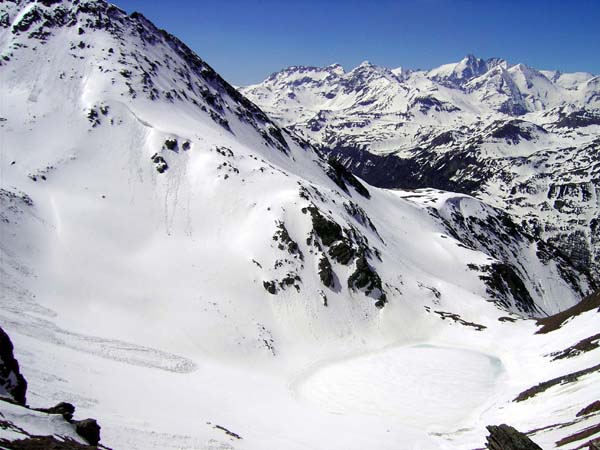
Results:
x,y
89,430
13,385
505,437
13,389
552,323
44,443
64,409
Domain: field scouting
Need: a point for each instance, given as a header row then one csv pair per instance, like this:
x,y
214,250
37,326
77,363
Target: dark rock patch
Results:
x,y
270,287
326,273
342,252
515,131
285,242
585,433
365,277
555,322
505,437
161,164
340,176
327,230
589,409
578,119
89,430
583,346
171,144
456,318
12,382
64,409
504,283
228,432
45,443
565,379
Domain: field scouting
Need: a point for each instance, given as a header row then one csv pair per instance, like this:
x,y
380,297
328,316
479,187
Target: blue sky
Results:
x,y
246,40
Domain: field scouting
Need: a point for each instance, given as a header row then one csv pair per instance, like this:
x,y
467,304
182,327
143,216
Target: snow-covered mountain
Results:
x,y
523,140
192,275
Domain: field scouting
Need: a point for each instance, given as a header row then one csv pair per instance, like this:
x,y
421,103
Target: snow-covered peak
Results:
x,y
373,114
466,69
336,68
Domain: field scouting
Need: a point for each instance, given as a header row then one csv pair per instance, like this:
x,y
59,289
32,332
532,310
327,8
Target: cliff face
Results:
x,y
12,383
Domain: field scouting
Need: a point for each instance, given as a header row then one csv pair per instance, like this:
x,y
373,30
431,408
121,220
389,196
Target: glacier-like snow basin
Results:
x,y
429,387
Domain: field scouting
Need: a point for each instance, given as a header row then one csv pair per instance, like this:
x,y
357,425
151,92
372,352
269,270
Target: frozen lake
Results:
x,y
429,387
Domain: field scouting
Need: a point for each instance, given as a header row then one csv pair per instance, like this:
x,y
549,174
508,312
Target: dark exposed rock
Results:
x,y
89,430
326,272
585,345
342,252
270,287
285,242
360,216
504,283
92,116
171,144
365,277
228,432
515,131
340,176
161,164
578,119
327,230
589,409
582,434
427,102
422,170
290,279
569,378
444,138
505,437
554,322
64,409
12,383
45,443
456,318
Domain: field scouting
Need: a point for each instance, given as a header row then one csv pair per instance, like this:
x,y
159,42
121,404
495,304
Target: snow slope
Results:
x,y
192,276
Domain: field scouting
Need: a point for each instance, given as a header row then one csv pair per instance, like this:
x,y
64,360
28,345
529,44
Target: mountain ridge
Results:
x,y
441,129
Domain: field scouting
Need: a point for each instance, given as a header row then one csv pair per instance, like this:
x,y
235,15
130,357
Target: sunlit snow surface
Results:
x,y
137,295
424,386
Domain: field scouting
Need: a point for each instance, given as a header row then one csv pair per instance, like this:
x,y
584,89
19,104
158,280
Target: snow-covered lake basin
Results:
x,y
430,387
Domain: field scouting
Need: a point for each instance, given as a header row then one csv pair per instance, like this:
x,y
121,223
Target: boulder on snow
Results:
x,y
63,408
505,437
13,385
89,430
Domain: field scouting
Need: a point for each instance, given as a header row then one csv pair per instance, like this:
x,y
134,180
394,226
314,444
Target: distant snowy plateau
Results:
x,y
195,273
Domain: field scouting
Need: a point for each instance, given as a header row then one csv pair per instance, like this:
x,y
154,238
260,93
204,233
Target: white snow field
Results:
x,y
141,296
423,386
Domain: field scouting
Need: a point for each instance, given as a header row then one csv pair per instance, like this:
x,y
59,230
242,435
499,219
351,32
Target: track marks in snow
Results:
x,y
113,349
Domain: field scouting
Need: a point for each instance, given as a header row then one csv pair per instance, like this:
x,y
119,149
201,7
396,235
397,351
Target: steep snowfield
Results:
x,y
177,266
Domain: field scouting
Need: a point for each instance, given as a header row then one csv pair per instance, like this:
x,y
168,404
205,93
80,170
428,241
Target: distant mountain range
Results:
x,y
524,140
